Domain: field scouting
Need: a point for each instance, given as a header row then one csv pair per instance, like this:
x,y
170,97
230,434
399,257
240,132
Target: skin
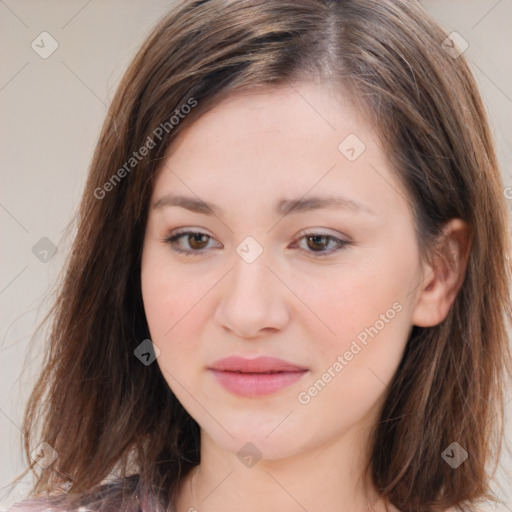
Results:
x,y
246,154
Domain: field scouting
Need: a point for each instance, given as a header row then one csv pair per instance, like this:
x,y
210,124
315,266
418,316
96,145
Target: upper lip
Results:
x,y
262,364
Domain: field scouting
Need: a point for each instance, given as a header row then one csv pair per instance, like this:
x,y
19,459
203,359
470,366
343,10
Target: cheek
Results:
x,y
168,293
355,364
345,302
159,294
175,311
366,318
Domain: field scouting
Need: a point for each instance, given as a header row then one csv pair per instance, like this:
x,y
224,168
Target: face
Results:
x,y
277,229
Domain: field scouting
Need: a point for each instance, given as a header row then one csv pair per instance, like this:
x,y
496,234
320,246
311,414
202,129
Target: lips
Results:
x,y
256,377
262,364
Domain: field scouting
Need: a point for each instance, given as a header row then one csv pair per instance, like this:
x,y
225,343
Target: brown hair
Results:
x,y
107,415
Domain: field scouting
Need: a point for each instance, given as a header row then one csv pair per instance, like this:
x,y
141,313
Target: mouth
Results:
x,y
256,377
257,373
261,364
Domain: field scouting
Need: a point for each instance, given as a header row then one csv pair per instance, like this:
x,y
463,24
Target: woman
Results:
x,y
289,284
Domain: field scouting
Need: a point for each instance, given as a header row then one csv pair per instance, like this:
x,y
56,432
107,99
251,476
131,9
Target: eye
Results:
x,y
195,242
317,243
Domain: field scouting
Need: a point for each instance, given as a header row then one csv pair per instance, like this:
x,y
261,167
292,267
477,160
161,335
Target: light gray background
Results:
x,y
52,110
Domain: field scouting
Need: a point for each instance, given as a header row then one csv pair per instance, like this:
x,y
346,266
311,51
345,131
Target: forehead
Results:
x,y
299,109
281,142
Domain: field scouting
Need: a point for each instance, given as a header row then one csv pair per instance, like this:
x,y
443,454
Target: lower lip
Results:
x,y
256,384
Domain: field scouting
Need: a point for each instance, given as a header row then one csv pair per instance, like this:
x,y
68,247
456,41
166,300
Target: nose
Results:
x,y
253,300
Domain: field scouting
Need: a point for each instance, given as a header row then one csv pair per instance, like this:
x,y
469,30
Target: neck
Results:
x,y
329,477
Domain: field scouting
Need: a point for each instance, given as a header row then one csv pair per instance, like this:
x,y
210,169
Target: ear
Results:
x,y
444,275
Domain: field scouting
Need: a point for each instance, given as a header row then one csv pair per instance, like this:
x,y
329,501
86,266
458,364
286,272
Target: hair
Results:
x,y
123,439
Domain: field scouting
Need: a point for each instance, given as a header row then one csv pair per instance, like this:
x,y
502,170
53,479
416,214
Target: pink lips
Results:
x,y
255,377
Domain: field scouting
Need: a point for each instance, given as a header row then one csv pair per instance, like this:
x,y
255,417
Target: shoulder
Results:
x,y
392,508
42,504
108,496
32,505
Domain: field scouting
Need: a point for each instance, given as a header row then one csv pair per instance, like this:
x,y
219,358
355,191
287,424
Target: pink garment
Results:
x,y
32,505
41,505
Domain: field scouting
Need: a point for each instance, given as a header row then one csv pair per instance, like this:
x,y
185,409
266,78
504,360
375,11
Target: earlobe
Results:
x,y
443,277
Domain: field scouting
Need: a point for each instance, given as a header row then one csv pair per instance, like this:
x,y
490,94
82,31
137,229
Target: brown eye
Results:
x,y
198,241
318,242
188,242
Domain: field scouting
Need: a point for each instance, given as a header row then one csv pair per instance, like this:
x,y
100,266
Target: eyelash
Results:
x,y
175,236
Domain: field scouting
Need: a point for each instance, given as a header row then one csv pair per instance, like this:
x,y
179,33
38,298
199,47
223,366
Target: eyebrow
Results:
x,y
283,207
